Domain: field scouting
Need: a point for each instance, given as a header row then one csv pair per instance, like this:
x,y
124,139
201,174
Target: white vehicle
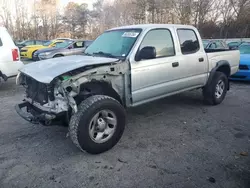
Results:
x,y
124,67
9,56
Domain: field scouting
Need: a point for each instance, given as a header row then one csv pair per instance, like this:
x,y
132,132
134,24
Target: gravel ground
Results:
x,y
177,142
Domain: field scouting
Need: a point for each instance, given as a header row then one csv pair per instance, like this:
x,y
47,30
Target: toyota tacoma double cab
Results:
x,y
124,67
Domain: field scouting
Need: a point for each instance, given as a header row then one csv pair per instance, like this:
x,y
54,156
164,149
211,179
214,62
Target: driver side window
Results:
x,y
161,40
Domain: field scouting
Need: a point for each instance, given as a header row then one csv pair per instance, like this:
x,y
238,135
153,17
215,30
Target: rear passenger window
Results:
x,y
1,44
78,45
162,40
188,41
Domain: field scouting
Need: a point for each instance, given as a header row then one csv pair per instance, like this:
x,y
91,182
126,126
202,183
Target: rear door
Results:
x,y
193,59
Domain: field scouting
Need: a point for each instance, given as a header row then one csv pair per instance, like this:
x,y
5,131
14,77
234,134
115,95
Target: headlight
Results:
x,y
44,54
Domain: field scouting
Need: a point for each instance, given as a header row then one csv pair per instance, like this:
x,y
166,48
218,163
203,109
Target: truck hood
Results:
x,y
45,71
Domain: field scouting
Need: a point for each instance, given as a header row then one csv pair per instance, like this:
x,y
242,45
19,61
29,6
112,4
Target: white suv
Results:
x,y
9,56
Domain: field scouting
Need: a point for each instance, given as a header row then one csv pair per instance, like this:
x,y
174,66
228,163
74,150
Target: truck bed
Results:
x,y
231,56
216,50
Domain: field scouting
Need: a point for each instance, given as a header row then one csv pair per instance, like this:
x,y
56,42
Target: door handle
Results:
x,y
201,59
175,64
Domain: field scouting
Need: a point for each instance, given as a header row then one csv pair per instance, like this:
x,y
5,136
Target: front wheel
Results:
x,y
98,125
215,92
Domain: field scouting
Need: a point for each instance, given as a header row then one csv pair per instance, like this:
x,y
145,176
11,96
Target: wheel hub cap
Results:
x,y
102,126
219,89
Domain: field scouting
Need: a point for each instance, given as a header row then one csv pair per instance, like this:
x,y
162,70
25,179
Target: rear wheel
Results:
x,y
58,55
98,125
215,92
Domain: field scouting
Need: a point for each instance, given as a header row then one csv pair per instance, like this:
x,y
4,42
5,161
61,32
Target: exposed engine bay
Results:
x,y
66,91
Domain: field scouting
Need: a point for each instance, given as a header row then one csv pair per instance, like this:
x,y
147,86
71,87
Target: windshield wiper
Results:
x,y
104,54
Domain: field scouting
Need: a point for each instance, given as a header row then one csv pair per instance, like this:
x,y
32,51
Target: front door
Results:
x,y
151,78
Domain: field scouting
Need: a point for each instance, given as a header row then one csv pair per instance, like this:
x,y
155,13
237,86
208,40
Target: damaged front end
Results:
x,y
44,103
58,100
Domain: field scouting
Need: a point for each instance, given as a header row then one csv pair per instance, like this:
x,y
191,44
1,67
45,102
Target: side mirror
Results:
x,y
70,47
148,52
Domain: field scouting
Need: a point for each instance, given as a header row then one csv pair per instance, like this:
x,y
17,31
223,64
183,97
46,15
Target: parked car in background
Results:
x,y
244,67
235,45
214,44
244,43
68,47
9,56
30,42
63,39
28,51
124,67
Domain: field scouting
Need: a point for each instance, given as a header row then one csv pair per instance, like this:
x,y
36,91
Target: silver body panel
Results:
x,y
45,71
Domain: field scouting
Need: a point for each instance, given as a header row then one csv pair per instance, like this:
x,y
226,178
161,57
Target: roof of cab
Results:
x,y
152,26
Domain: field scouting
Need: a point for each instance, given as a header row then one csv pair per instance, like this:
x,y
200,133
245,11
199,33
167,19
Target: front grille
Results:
x,y
243,67
23,50
35,90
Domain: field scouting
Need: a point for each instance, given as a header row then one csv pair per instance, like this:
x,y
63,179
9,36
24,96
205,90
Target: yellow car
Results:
x,y
28,51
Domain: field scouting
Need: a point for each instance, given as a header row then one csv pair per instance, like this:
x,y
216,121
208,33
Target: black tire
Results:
x,y
33,58
58,55
79,123
209,91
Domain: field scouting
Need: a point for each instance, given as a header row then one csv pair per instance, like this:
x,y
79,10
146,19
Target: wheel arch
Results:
x,y
221,66
98,88
58,54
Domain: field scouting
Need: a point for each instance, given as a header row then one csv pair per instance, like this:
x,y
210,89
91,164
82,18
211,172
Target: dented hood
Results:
x,y
45,71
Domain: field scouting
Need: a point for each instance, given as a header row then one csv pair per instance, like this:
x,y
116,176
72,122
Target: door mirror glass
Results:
x,y
148,52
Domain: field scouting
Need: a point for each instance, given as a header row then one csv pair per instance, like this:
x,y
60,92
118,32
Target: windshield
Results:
x,y
117,43
63,44
244,49
48,43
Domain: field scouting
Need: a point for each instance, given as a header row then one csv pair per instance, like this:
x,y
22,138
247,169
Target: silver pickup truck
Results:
x,y
124,67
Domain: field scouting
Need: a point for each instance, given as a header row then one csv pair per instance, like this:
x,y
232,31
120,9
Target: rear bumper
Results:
x,y
35,115
241,75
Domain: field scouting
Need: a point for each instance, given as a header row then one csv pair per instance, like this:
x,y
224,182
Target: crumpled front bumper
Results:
x,y
35,115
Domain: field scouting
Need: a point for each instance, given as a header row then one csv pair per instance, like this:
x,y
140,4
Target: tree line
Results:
x,y
43,20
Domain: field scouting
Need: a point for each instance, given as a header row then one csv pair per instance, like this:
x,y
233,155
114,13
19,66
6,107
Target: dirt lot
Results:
x,y
175,142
